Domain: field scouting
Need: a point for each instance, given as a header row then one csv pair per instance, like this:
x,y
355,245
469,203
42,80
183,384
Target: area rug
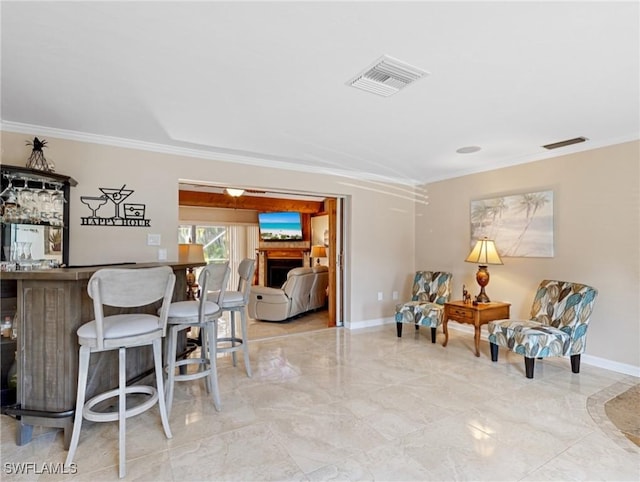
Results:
x,y
624,413
615,410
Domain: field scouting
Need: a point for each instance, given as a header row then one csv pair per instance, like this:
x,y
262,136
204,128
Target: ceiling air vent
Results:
x,y
568,142
387,76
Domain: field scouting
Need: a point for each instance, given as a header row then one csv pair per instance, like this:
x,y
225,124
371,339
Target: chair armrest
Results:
x,y
272,295
265,290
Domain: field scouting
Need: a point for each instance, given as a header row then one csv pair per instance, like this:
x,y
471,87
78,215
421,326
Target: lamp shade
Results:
x,y
318,252
484,252
191,253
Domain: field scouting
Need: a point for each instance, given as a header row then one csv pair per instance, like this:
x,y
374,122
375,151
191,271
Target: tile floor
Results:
x,y
266,329
334,404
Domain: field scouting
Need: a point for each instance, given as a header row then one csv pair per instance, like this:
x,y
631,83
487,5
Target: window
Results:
x,y
213,238
221,243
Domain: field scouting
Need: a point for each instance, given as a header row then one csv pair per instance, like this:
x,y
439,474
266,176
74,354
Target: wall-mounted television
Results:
x,y
280,226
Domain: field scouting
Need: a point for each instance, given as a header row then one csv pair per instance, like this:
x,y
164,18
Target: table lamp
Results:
x,y
191,253
483,254
318,252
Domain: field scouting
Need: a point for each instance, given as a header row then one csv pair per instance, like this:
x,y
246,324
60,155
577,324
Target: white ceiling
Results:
x,y
265,82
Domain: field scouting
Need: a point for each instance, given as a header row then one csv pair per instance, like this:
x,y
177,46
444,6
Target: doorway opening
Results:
x,y
195,195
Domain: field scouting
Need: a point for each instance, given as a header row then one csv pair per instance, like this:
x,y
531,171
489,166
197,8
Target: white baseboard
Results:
x,y
595,361
358,325
614,366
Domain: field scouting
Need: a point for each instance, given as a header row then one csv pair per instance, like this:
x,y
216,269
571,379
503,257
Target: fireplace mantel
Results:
x,y
281,250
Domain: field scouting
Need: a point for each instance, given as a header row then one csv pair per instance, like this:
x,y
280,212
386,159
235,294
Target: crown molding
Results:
x,y
222,155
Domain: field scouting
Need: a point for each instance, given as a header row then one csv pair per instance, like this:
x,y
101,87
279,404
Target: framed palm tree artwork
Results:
x,y
521,224
53,240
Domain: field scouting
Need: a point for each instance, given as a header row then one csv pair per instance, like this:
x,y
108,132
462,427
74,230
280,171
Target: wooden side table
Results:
x,y
476,315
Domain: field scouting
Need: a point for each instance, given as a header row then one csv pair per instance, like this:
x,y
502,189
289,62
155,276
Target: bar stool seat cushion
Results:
x,y
229,298
189,309
119,326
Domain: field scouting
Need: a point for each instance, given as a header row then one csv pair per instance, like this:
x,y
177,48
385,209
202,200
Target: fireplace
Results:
x,y
276,259
277,269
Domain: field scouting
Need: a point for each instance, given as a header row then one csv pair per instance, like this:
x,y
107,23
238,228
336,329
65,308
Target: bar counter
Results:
x,y
52,305
84,272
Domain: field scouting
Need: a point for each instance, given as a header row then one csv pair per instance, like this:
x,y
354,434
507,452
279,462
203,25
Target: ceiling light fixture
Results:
x,y
468,149
235,192
387,76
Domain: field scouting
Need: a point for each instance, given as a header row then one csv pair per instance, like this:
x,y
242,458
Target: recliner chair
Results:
x,y
318,295
279,304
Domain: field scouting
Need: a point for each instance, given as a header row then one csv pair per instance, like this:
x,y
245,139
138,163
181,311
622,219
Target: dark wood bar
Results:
x,y
52,305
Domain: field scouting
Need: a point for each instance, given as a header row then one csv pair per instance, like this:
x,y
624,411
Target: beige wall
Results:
x,y
597,223
597,240
381,230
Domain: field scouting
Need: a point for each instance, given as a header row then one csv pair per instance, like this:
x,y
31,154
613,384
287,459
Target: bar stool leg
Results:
x,y
245,345
171,366
233,335
204,354
122,411
83,369
212,335
157,358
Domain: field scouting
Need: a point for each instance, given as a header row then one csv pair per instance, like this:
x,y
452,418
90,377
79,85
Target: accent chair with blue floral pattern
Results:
x,y
431,289
558,326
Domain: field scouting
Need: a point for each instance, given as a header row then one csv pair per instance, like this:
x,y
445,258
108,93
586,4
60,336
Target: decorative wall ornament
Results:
x,y
36,159
521,225
131,214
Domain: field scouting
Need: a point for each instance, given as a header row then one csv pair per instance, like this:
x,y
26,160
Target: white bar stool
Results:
x,y
123,288
204,314
237,301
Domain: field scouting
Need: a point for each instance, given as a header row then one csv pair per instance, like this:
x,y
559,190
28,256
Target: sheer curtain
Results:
x,y
243,243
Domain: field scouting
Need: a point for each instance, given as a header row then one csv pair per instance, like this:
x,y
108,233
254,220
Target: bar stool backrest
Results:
x,y
128,288
245,270
213,281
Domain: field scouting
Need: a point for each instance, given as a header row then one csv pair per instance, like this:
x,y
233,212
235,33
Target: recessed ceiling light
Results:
x,y
468,149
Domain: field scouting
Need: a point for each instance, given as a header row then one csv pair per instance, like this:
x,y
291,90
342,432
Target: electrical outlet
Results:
x,y
162,254
153,240
395,295
380,296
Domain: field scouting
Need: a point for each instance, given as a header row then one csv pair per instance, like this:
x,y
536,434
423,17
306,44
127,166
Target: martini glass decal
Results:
x,y
117,196
93,203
